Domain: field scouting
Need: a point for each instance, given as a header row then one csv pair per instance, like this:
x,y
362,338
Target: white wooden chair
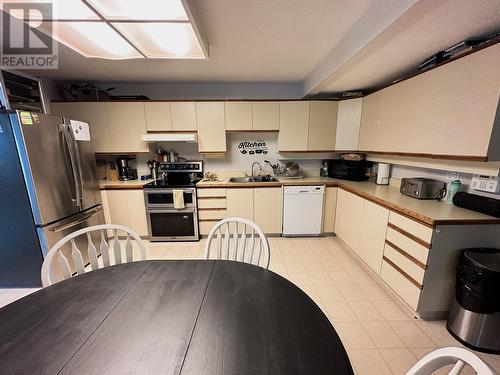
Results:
x,y
447,356
56,253
240,240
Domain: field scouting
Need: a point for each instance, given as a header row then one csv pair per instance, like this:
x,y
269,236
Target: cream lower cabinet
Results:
x,y
348,218
126,207
240,203
372,239
329,209
263,206
362,224
268,209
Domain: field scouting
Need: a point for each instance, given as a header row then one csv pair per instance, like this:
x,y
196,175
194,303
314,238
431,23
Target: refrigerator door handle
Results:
x,y
69,145
63,227
78,161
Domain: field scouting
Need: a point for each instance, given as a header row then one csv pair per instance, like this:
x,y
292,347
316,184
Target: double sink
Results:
x,y
249,179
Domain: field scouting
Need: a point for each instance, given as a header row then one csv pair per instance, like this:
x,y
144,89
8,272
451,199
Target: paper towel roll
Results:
x,y
383,173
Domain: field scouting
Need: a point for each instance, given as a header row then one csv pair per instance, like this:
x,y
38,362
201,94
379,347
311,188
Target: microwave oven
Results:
x,y
346,169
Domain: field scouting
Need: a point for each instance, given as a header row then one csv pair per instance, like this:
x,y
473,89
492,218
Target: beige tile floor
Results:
x,y
380,334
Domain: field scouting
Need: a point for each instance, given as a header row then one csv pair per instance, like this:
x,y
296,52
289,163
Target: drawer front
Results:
x,y
206,227
407,265
211,192
212,214
212,203
400,284
411,226
409,246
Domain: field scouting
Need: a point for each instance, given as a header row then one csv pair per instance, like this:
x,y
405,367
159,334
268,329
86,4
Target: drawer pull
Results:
x,y
403,273
409,235
406,255
212,220
212,209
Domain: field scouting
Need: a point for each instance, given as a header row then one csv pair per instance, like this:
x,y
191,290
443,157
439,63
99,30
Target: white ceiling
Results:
x,y
326,45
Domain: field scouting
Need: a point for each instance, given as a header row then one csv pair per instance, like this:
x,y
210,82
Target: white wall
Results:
x,y
401,171
234,161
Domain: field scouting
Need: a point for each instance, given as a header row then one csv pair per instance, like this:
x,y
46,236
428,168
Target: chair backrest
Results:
x,y
240,240
447,356
56,253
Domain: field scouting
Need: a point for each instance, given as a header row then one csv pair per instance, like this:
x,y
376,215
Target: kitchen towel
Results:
x,y
178,199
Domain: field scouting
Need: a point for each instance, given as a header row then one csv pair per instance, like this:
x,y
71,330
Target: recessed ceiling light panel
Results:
x,y
166,10
163,40
94,39
61,10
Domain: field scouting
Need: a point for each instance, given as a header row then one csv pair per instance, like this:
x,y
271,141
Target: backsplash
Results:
x,y
235,160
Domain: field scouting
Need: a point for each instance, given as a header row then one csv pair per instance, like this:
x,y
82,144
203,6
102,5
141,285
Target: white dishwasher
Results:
x,y
302,210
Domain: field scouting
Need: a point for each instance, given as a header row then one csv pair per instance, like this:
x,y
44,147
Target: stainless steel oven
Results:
x,y
166,223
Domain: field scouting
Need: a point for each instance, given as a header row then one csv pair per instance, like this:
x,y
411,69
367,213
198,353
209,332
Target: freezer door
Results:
x,y
51,234
85,161
50,171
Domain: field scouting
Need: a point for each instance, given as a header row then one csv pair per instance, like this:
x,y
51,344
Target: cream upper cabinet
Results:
x,y
294,126
268,209
183,116
348,218
266,116
127,123
238,116
158,117
93,113
329,208
449,110
348,123
211,127
373,227
322,126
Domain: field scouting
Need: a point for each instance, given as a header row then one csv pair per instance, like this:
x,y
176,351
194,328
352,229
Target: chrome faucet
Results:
x,y
260,166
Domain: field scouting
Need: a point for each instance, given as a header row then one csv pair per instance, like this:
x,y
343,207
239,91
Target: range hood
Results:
x,y
170,137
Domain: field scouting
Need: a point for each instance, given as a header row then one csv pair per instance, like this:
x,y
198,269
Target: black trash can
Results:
x,y
474,317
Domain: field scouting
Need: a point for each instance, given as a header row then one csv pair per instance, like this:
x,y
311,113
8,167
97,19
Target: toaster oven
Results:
x,y
423,188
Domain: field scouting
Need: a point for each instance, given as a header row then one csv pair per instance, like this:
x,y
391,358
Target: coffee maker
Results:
x,y
126,173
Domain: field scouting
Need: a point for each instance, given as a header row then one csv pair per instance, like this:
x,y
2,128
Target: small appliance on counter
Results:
x,y
166,222
383,172
126,173
353,170
423,188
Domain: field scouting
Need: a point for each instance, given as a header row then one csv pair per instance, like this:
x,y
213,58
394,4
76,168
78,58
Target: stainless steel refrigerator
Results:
x,y
48,189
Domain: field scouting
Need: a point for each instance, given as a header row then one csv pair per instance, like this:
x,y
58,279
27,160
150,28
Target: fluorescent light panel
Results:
x,y
97,39
94,39
163,40
141,10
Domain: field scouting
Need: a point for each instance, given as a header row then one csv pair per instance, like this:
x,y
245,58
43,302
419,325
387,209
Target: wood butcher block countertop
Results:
x,y
427,212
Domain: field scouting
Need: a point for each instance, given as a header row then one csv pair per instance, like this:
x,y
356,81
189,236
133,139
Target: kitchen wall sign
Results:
x,y
253,147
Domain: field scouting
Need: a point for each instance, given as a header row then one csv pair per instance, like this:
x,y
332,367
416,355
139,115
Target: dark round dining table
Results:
x,y
170,317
